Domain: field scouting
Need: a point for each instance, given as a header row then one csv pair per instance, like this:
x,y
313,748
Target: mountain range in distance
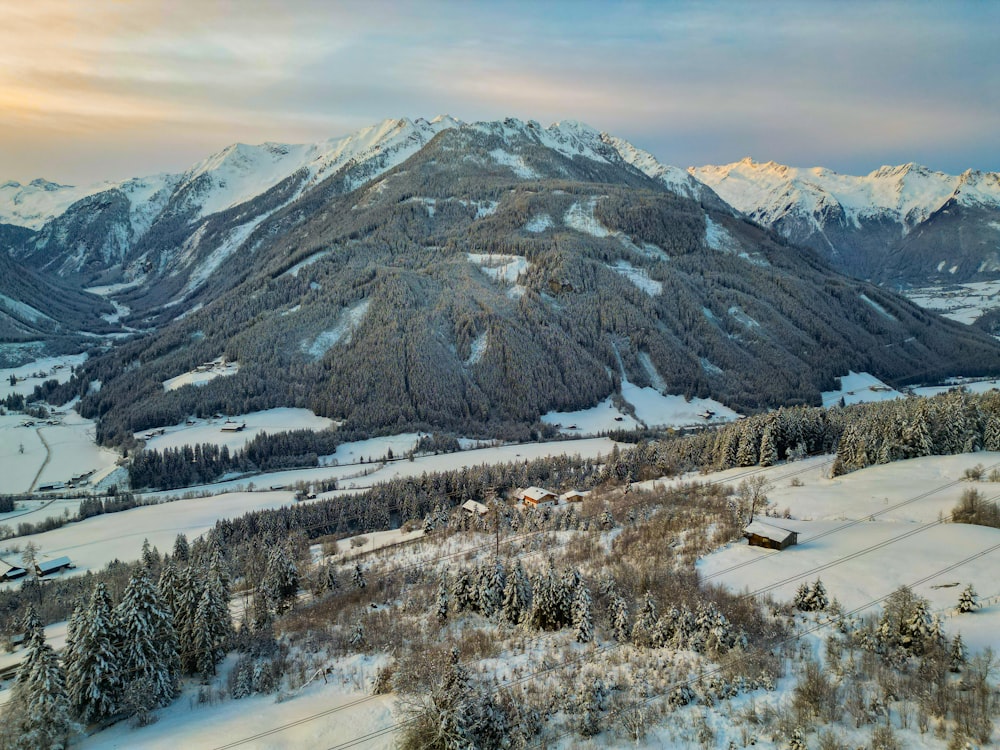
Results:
x,y
472,277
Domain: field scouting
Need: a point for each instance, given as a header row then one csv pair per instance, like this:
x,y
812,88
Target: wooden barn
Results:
x,y
760,534
573,496
47,567
473,508
10,572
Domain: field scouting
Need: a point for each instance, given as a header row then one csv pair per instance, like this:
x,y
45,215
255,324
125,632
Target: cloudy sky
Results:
x,y
108,89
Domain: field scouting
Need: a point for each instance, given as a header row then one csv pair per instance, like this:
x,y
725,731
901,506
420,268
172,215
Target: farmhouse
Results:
x,y
760,534
51,566
537,497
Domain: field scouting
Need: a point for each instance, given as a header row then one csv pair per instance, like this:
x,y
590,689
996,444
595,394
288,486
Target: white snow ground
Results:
x,y
965,303
860,387
37,372
220,369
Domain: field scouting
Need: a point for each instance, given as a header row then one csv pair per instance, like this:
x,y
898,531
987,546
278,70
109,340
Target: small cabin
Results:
x,y
51,566
573,496
473,508
234,426
537,497
760,534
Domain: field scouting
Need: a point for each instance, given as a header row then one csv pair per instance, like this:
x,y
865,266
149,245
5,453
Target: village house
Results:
x,y
472,508
573,496
537,497
760,534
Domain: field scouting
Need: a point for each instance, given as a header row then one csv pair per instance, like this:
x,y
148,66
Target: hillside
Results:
x,y
904,224
504,271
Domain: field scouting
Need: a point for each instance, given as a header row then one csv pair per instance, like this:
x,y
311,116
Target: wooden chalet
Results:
x,y
234,427
537,497
573,496
760,534
51,566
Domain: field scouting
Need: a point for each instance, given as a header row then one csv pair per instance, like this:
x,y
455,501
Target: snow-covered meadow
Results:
x,y
212,430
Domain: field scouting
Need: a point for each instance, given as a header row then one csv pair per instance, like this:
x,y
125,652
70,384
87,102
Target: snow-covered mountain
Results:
x,y
178,229
885,225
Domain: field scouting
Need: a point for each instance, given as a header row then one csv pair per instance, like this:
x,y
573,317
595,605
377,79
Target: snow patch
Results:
x,y
877,307
347,323
294,270
539,223
581,218
639,277
515,162
501,268
477,349
211,430
22,310
737,314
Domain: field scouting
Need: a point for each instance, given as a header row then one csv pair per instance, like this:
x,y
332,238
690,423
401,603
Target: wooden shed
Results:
x,y
472,508
573,496
10,572
760,534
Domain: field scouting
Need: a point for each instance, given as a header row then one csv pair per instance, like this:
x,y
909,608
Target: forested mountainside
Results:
x,y
39,312
496,275
902,225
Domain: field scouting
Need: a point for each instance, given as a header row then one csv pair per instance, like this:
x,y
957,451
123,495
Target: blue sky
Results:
x,y
103,89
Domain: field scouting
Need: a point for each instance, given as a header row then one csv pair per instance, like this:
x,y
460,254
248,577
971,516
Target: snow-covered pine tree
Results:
x,y
182,551
463,593
358,577
38,714
189,591
93,663
968,600
991,435
644,631
583,617
281,578
956,654
150,557
209,633
768,447
620,625
442,597
147,657
491,587
516,595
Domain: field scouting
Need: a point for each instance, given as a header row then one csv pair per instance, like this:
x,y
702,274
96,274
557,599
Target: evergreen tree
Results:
x,y
620,626
768,447
583,619
644,631
93,662
281,578
182,551
211,630
516,595
358,577
185,605
956,655
967,600
147,656
442,597
38,714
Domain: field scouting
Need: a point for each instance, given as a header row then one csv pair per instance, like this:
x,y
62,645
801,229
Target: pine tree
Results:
x,y
968,601
281,579
211,630
442,597
516,595
644,631
39,712
768,447
956,655
147,656
621,628
583,619
191,586
93,662
182,551
358,577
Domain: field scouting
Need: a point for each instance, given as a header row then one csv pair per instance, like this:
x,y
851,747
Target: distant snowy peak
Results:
x,y
675,178
907,193
33,204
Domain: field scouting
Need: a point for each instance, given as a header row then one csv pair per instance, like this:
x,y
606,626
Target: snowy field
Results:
x,y
652,409
859,387
37,372
51,453
843,521
210,430
965,303
375,449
